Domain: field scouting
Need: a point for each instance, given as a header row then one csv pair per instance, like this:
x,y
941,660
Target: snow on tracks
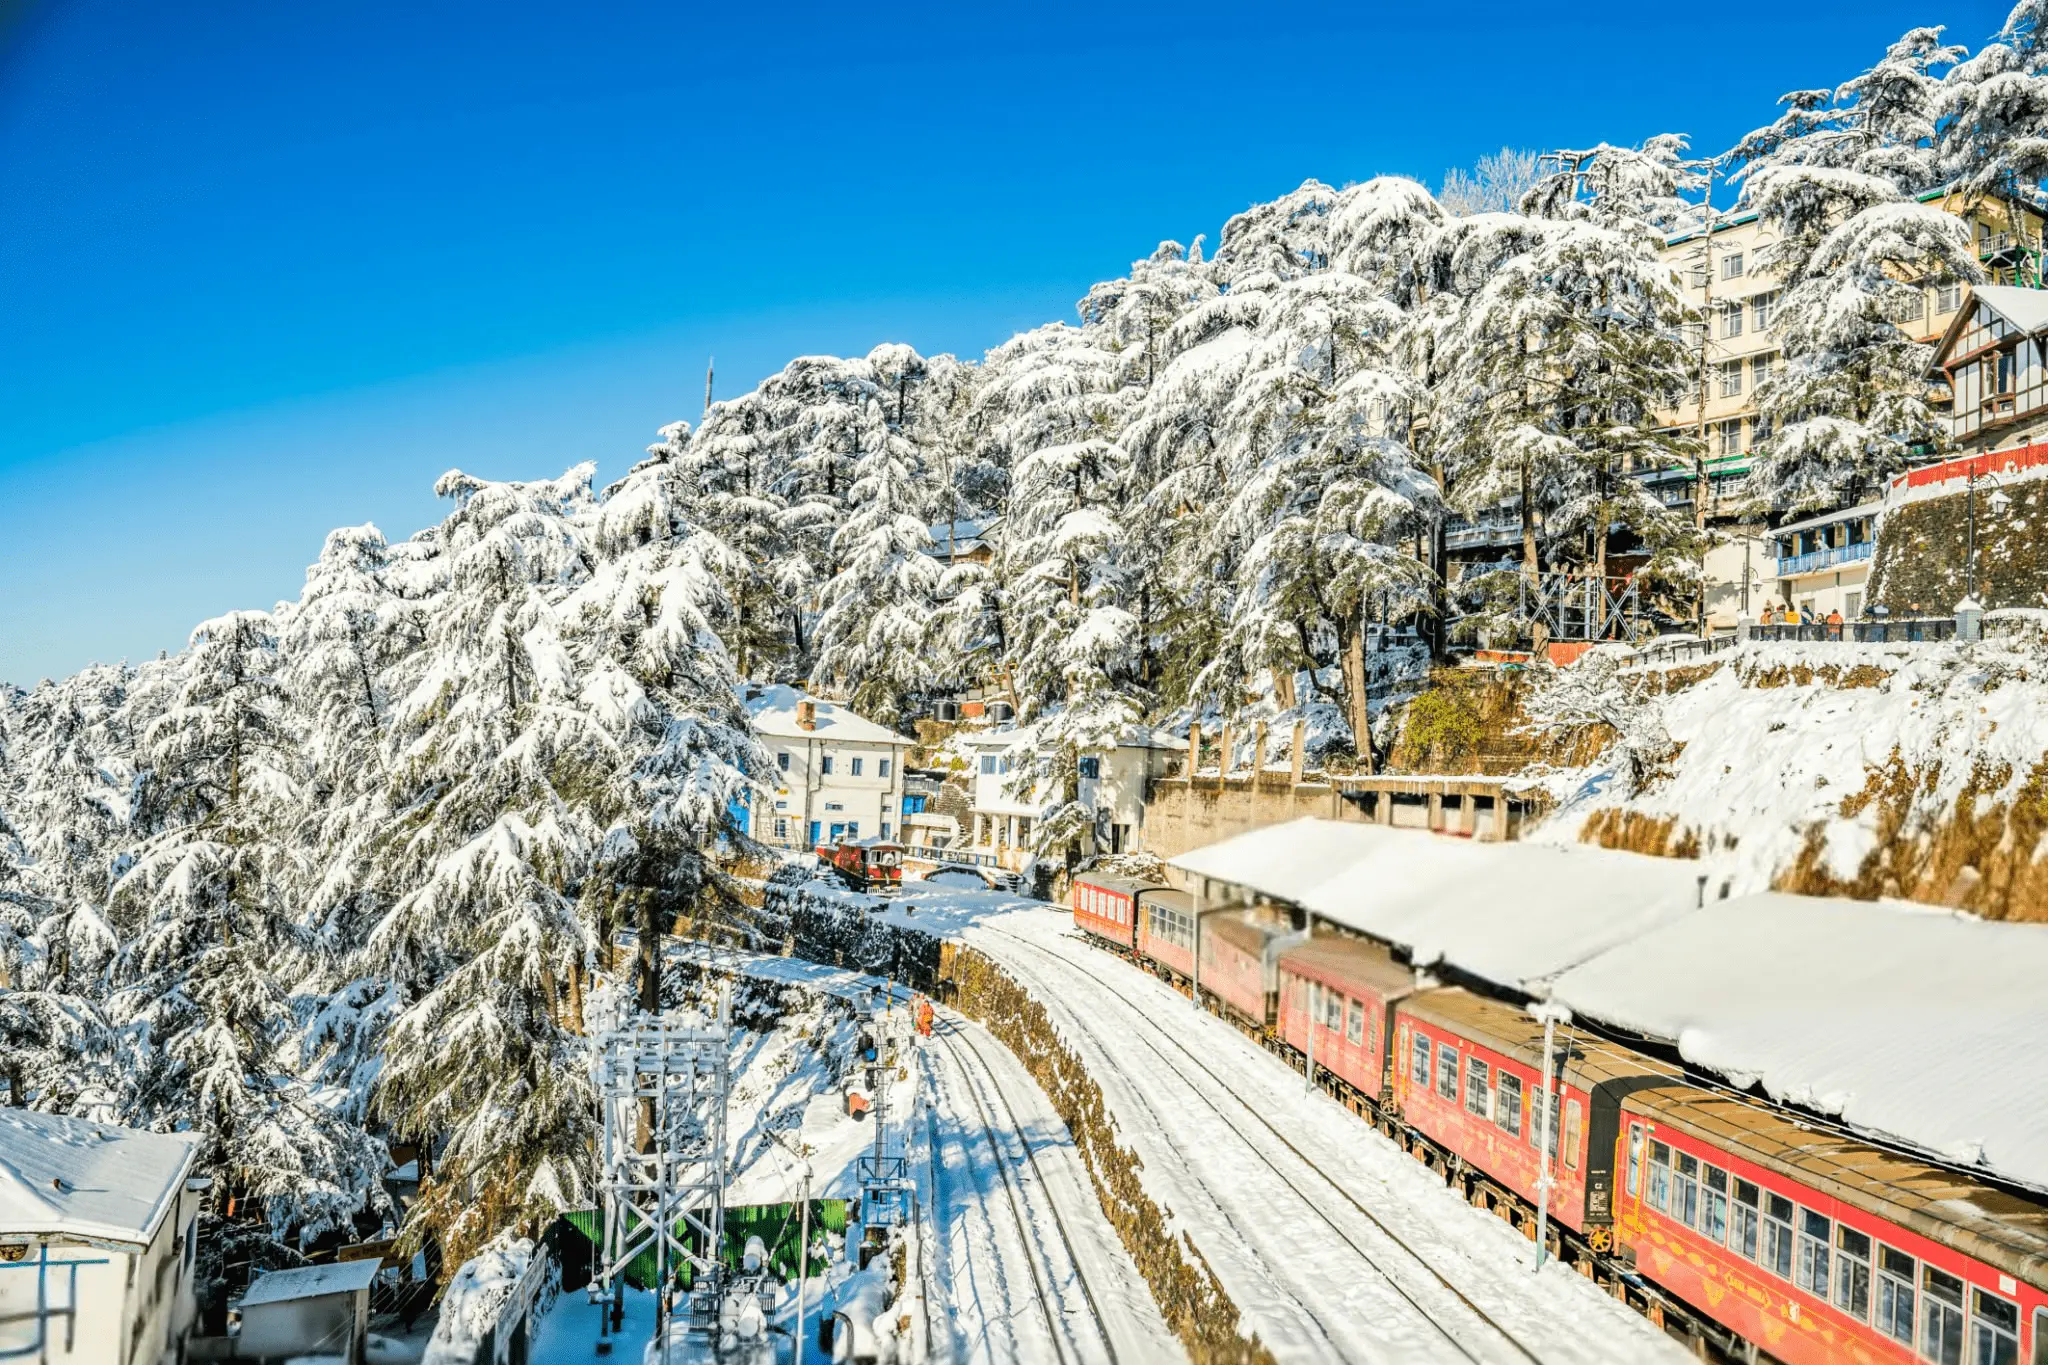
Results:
x,y
1333,1243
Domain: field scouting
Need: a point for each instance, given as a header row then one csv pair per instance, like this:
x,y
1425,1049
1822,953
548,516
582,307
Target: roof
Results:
x,y
1132,737
2026,309
1862,509
311,1282
1912,1024
1514,914
93,1181
1588,1062
1122,885
1982,1221
773,709
963,537
1240,934
1349,965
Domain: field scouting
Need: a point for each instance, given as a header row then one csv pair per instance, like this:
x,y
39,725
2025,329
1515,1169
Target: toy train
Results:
x,y
865,864
1752,1230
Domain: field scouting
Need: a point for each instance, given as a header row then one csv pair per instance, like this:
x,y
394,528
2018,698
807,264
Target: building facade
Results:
x,y
97,1253
837,774
1990,359
1112,787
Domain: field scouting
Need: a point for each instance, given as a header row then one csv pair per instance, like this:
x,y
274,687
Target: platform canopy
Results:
x,y
1513,914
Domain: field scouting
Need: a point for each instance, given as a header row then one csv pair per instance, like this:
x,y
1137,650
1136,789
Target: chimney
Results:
x,y
807,714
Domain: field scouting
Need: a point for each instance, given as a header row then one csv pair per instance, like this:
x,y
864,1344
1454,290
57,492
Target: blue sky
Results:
x,y
268,269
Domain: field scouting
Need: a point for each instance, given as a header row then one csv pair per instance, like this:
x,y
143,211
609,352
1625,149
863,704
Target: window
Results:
x,y
1948,296
885,829
1810,1259
1507,1106
825,765
1091,766
882,767
782,760
1742,1220
1852,1273
1447,1071
1731,266
1994,1331
1760,368
1419,1064
1478,1088
1729,434
1685,1189
858,763
1913,307
781,828
2040,1322
1354,1023
988,764
853,829
1731,379
1778,1236
1660,1176
915,803
1896,1272
1998,373
1731,320
1941,1317
1333,1010
1572,1120
1536,1123
1714,1204
1763,310
1635,1158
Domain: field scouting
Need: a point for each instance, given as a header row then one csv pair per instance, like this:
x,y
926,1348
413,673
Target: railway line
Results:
x,y
1405,1282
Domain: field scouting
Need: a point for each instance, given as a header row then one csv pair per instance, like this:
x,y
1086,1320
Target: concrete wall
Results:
x,y
1181,816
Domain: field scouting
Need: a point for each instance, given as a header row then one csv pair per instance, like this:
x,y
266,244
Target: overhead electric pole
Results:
x,y
710,362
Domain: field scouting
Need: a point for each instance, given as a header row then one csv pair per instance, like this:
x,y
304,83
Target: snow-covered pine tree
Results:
x,y
733,486
204,982
498,764
1992,110
1835,178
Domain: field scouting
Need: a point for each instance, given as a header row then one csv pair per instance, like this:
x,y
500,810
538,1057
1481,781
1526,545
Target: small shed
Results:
x,y
314,1310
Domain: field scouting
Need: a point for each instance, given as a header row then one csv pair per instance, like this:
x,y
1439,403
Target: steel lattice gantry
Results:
x,y
664,1081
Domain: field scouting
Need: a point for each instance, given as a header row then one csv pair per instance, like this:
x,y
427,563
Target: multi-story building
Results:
x,y
1991,360
838,775
1113,787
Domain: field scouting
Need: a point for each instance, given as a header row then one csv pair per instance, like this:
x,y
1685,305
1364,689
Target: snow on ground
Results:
x,y
1334,1244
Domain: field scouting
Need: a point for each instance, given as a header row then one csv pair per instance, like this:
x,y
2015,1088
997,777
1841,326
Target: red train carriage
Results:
x,y
1818,1248
1107,907
1349,987
1239,967
865,864
1467,1074
1166,930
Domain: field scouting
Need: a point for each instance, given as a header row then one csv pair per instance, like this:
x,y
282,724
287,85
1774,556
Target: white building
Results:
x,y
1823,562
96,1242
837,774
1113,786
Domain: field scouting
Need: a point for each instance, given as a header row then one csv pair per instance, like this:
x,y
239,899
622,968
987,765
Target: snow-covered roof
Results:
x,y
95,1181
960,537
774,710
1907,1022
1864,509
1134,737
311,1282
2026,309
1514,914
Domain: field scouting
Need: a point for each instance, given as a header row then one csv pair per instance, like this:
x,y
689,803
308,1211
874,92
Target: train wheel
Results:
x,y
1601,1239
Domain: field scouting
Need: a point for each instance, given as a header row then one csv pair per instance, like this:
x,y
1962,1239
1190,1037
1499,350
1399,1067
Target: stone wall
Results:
x,y
1923,550
1180,815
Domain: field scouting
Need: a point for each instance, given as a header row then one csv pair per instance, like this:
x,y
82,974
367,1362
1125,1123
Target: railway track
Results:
x,y
1026,1190
1311,1182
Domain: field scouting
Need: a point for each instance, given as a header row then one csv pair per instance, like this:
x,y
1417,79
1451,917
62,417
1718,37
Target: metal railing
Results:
x,y
1669,649
1918,630
965,857
1815,560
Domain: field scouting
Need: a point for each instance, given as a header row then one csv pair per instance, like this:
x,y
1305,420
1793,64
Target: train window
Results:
x,y
1896,1272
1447,1071
1852,1273
1635,1158
1537,1127
2040,1331
1478,1088
1742,1220
1714,1204
1810,1261
1420,1066
1941,1317
1507,1106
1660,1176
1778,1235
1685,1189
1994,1330
1333,1010
1572,1119
1354,1023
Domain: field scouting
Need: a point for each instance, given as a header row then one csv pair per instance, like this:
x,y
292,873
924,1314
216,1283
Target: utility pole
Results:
x,y
710,364
1551,1015
1702,485
803,1253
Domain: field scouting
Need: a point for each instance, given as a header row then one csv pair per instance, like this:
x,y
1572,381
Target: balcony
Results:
x,y
1817,561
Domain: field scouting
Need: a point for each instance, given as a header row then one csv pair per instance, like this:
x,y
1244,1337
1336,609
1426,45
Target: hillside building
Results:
x,y
837,774
1113,787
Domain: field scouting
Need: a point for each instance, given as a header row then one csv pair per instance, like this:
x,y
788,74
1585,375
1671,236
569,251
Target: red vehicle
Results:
x,y
1239,969
1107,907
865,864
1468,1075
1166,931
1349,987
1819,1248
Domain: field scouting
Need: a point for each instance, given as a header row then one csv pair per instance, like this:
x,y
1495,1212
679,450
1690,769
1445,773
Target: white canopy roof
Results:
x,y
94,1181
774,710
1921,1025
1515,914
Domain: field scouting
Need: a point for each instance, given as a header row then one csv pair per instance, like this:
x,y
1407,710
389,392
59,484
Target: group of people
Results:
x,y
1788,615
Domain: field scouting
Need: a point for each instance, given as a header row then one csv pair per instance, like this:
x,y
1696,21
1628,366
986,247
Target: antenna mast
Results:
x,y
709,363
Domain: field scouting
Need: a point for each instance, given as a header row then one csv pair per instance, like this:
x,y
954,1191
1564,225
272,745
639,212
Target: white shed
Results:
x,y
96,1241
315,1310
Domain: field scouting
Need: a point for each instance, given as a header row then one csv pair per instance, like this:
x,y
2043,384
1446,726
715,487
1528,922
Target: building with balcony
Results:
x,y
838,775
1823,563
1991,361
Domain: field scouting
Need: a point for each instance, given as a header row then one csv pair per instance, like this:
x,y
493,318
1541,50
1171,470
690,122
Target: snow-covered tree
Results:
x,y
1993,109
1495,184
